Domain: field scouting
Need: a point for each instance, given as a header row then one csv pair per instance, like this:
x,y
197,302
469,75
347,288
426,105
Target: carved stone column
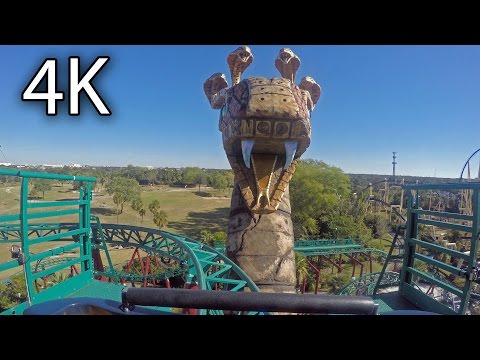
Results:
x,y
265,125
262,244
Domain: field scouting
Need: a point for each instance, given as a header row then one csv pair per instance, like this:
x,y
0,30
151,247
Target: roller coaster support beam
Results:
x,y
355,261
317,274
369,255
333,262
189,310
98,265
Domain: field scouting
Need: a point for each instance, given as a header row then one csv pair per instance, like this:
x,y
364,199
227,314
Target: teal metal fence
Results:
x,y
426,258
30,236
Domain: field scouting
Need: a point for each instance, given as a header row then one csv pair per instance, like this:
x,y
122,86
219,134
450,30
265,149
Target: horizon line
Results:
x,y
151,167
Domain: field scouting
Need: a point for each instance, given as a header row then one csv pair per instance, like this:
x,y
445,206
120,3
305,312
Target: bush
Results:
x,y
203,193
217,238
13,292
335,282
377,223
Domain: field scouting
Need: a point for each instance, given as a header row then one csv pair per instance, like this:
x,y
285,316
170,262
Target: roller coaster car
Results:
x,y
261,303
323,304
88,306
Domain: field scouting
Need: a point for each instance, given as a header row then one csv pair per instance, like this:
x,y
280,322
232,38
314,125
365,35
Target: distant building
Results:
x,y
5,164
51,166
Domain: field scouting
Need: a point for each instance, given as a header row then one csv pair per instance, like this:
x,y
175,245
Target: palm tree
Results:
x,y
160,219
137,205
141,212
337,282
301,265
154,206
103,180
206,236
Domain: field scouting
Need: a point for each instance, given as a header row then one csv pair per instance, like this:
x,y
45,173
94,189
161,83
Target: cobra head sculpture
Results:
x,y
265,126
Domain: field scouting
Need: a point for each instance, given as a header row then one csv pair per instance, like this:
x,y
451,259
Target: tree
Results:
x,y
141,212
316,189
341,225
12,293
453,236
102,179
217,238
229,177
206,236
377,223
219,181
194,175
123,190
321,205
154,206
160,218
41,185
33,192
168,176
150,175
137,205
336,282
301,266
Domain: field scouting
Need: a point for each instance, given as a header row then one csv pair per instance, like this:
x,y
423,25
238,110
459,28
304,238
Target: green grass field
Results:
x,y
188,213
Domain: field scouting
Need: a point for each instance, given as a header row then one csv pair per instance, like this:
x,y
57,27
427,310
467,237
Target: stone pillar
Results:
x,y
262,245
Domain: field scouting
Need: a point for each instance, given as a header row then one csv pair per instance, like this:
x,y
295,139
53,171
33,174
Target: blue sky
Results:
x,y
421,101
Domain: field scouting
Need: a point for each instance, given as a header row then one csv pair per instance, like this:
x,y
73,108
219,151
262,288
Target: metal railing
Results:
x,y
459,266
30,234
326,242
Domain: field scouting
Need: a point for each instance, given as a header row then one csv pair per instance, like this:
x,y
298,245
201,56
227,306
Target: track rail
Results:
x,y
209,268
